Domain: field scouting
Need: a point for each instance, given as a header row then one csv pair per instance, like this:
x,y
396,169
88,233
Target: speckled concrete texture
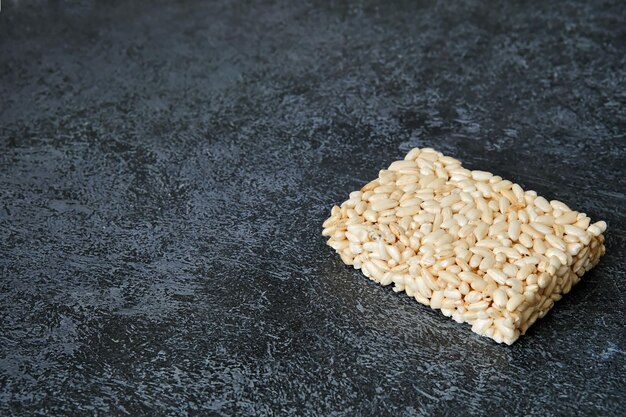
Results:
x,y
165,168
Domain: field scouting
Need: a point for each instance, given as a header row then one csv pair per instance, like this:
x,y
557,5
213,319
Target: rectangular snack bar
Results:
x,y
469,243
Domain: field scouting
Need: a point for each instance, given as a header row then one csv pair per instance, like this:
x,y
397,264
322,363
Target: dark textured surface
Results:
x,y
165,169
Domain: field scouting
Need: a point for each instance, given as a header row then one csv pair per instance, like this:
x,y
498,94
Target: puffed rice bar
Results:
x,y
469,243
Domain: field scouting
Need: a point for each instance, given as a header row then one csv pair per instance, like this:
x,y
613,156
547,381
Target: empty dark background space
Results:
x,y
165,168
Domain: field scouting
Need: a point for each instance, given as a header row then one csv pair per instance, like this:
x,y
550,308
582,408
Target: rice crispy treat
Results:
x,y
475,246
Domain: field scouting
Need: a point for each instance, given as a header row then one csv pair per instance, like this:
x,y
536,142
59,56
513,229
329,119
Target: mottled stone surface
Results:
x,y
165,169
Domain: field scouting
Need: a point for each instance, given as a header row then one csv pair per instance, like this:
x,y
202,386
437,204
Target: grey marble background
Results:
x,y
165,168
